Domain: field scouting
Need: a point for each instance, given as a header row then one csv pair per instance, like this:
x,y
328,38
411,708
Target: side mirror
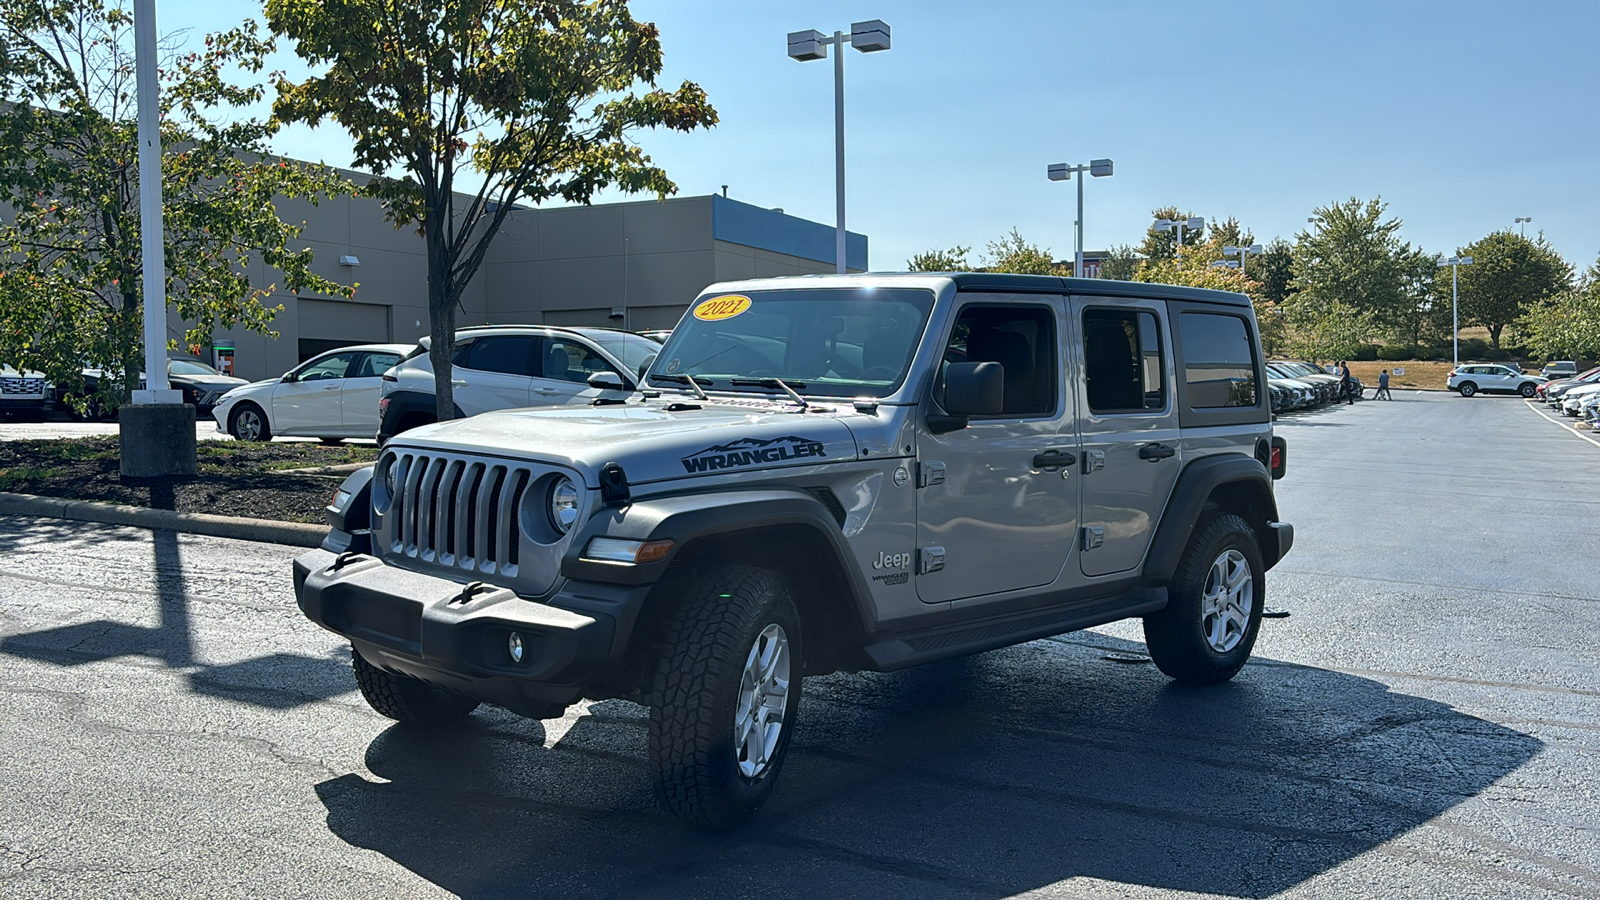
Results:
x,y
970,389
607,381
290,378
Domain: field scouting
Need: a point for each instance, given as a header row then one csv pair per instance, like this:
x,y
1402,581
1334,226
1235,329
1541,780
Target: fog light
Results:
x,y
514,647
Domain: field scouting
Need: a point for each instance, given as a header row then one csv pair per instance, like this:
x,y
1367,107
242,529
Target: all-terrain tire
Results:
x,y
407,700
1178,636
698,687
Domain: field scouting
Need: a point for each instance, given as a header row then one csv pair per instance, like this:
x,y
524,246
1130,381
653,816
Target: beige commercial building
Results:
x,y
630,265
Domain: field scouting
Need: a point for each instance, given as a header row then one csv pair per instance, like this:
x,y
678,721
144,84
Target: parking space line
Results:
x,y
1564,426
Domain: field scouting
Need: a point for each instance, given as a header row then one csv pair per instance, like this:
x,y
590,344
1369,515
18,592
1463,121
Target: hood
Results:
x,y
209,380
650,441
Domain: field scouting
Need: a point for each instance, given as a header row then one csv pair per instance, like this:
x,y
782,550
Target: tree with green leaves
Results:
x,y
1355,257
72,283
1329,332
462,109
1508,273
1194,266
1013,253
1121,263
952,260
1273,272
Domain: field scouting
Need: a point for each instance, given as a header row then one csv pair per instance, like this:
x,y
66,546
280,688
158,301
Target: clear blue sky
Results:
x,y
1461,115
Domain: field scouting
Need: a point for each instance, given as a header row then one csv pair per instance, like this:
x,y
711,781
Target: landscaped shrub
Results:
x,y
1496,354
1366,353
1398,352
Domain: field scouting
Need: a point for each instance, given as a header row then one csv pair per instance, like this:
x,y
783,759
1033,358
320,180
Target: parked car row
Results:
x,y
383,389
1301,385
1574,396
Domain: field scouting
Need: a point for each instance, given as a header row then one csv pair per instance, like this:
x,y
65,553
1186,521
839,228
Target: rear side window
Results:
x,y
375,364
507,355
1219,360
1122,361
567,360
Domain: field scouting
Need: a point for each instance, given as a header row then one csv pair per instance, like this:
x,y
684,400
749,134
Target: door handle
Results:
x,y
1053,459
539,390
458,382
1156,452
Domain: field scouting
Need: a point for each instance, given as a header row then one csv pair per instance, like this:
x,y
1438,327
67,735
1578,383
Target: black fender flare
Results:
x,y
686,518
354,515
1196,483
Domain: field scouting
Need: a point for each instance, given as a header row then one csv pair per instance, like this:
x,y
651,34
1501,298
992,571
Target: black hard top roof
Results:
x,y
993,281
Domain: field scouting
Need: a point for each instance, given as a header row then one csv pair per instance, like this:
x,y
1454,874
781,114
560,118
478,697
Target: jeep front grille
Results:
x,y
458,513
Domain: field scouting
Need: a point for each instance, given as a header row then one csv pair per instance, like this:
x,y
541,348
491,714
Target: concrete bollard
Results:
x,y
157,440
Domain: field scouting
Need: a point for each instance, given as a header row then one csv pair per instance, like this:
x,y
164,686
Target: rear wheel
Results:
x,y
249,423
1467,389
407,700
1205,633
724,696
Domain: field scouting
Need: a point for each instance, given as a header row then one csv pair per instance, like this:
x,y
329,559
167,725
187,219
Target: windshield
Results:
x,y
833,342
632,349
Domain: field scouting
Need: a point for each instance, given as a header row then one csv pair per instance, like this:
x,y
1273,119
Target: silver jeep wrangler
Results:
x,y
819,474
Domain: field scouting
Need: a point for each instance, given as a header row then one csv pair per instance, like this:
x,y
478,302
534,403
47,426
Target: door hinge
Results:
x,y
1093,536
1093,460
929,474
930,559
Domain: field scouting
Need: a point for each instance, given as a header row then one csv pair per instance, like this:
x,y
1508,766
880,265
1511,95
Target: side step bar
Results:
x,y
898,651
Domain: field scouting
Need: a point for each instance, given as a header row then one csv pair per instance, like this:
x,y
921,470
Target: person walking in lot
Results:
x,y
1344,383
1383,387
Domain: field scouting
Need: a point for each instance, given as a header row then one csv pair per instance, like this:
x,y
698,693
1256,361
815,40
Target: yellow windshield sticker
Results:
x,y
718,308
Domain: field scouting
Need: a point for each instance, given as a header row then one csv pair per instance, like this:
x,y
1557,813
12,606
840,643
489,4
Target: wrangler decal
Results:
x,y
750,451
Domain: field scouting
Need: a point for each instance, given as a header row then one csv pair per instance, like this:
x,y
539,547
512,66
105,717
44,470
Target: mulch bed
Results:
x,y
236,479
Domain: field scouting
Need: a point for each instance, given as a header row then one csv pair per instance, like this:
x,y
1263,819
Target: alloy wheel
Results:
x,y
758,715
1226,604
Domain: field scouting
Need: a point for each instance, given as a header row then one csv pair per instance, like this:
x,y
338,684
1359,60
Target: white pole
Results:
x,y
1077,265
1455,323
150,225
838,148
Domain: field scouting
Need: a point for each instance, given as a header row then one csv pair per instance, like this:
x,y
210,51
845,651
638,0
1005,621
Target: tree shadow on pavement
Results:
x,y
986,776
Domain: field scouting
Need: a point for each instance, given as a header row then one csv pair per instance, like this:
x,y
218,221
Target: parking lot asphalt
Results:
x,y
1426,723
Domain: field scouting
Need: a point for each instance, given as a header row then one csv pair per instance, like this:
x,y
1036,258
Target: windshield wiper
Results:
x,y
692,381
774,383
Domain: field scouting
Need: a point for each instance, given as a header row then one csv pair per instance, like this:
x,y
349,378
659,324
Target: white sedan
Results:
x,y
332,396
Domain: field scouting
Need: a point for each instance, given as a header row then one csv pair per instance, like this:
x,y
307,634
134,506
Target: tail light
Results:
x,y
383,405
1279,457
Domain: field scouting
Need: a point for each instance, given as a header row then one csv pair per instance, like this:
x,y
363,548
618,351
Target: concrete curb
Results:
x,y
340,469
293,534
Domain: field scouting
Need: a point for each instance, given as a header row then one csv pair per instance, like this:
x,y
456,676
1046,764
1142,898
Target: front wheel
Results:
x,y
724,696
249,423
1205,633
407,700
1467,389
1528,389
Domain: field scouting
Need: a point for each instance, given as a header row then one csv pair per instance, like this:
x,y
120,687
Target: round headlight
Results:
x,y
391,472
563,505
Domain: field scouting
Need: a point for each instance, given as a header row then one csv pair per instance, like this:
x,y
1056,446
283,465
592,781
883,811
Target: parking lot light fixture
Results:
x,y
1098,168
1455,263
1242,253
1193,223
868,37
1523,222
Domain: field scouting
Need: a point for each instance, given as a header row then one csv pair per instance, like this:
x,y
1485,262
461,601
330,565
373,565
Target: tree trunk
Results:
x,y
1494,335
441,316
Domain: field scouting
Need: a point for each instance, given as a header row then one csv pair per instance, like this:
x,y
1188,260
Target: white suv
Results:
x,y
514,366
24,395
1482,378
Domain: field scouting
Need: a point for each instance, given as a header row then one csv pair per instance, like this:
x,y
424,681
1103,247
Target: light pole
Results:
x,y
1455,263
1242,253
1523,221
868,37
1099,168
1193,223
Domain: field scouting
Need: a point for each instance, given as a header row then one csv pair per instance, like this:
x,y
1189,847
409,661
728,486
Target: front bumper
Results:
x,y
438,630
